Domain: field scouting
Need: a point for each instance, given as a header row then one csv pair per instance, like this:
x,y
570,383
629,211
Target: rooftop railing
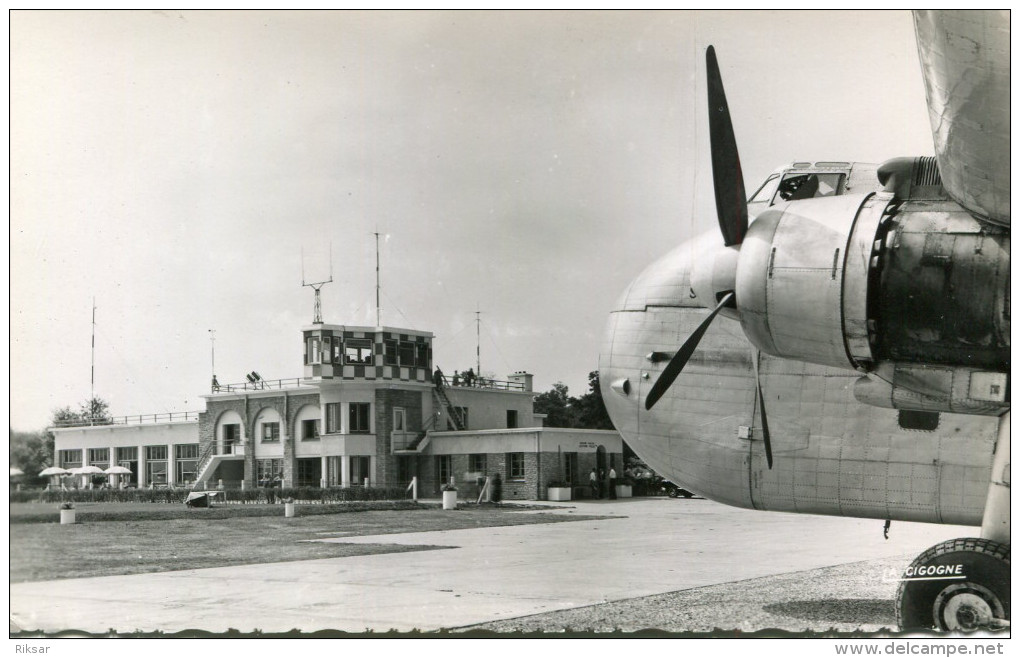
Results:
x,y
483,382
137,419
257,385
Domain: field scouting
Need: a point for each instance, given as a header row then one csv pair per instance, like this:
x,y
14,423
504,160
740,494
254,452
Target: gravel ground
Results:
x,y
856,598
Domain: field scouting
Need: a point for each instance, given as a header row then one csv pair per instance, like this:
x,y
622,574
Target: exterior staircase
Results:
x,y
444,402
209,461
456,419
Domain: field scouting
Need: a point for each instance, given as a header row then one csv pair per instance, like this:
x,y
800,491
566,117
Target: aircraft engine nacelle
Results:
x,y
855,281
791,277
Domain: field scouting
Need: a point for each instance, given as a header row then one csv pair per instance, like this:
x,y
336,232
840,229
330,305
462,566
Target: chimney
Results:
x,y
523,378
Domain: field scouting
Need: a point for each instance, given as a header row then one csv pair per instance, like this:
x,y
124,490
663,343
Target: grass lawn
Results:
x,y
130,538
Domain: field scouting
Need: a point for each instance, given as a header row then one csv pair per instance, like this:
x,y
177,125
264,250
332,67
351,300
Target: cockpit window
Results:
x,y
809,186
767,189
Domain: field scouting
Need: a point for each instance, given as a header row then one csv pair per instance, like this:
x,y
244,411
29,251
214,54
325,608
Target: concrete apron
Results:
x,y
661,545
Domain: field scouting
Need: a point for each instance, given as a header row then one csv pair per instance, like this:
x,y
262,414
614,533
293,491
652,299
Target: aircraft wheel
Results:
x,y
934,595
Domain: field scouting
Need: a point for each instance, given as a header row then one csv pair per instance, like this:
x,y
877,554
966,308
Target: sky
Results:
x,y
187,170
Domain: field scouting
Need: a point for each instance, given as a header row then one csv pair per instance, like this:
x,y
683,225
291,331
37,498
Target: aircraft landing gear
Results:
x,y
963,584
958,585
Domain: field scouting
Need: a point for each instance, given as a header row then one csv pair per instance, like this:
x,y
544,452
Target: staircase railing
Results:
x,y
458,419
204,458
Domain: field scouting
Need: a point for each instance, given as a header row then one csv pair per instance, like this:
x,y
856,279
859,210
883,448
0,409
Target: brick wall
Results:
x,y
249,408
385,401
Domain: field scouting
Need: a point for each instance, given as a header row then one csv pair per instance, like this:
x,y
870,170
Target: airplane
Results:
x,y
861,367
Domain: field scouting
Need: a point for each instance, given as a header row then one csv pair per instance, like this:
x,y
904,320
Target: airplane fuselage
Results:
x,y
874,324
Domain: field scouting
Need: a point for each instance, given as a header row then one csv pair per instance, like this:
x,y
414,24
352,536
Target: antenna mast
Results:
x,y
92,385
212,340
478,342
317,285
378,309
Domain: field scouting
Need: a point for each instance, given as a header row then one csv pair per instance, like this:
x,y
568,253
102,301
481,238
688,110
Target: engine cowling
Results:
x,y
857,280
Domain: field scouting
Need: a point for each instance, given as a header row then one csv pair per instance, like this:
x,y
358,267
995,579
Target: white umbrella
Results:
x,y
115,472
53,470
15,471
86,470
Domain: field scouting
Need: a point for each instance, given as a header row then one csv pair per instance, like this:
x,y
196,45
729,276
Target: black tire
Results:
x,y
686,494
673,492
949,603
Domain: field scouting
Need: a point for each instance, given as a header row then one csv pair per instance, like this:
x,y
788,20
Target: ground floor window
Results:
x,y
444,469
333,476
309,472
156,465
405,469
569,467
128,458
515,467
268,471
186,462
359,470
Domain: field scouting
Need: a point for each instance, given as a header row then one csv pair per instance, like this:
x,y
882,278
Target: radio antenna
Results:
x,y
317,285
378,308
92,384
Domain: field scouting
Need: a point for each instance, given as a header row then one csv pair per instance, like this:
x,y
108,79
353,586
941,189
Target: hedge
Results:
x,y
244,496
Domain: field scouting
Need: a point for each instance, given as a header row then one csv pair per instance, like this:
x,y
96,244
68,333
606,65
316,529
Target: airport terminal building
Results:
x,y
369,409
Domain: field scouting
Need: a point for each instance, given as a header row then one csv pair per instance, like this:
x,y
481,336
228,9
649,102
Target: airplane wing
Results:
x,y
965,63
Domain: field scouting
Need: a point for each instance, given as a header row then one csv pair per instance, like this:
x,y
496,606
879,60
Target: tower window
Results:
x,y
358,352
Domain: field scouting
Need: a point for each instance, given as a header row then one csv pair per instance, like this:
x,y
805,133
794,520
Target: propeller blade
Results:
x,y
730,197
764,419
679,360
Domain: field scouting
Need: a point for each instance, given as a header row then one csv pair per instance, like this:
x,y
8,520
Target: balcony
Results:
x,y
230,450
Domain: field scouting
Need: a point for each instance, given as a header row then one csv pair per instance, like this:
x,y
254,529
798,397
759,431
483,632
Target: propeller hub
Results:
x,y
714,275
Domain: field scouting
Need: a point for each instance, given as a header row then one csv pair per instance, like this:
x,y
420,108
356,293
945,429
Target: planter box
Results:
x,y
67,516
288,510
559,493
449,500
624,491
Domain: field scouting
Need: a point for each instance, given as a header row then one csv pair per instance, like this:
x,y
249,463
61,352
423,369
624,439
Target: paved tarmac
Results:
x,y
656,545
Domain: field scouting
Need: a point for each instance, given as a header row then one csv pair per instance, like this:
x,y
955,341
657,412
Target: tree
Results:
x,y
31,452
585,412
95,411
556,404
590,408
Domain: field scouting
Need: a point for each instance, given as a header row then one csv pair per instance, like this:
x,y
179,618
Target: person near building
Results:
x,y
456,378
496,494
437,378
593,480
612,482
469,377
